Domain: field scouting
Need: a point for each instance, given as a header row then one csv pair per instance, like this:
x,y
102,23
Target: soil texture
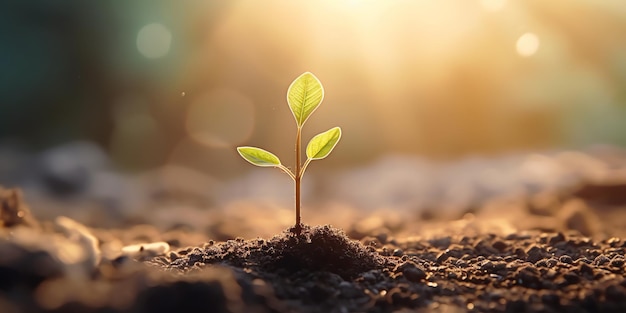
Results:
x,y
319,270
546,251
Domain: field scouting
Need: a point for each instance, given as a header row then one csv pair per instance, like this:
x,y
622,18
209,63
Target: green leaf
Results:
x,y
304,96
258,156
323,144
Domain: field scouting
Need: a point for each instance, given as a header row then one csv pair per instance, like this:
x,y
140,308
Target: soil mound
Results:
x,y
320,248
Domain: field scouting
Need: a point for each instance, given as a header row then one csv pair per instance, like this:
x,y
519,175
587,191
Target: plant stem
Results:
x,y
303,169
287,171
298,178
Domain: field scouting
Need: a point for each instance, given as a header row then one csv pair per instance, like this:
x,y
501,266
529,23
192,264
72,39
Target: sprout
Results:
x,y
303,96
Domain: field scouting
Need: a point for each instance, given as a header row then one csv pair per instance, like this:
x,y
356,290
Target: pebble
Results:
x,y
461,263
500,245
411,271
583,260
443,256
441,243
566,259
487,266
518,236
382,238
509,258
559,237
585,269
535,253
571,278
369,276
483,246
614,242
601,260
528,276
348,290
617,261
151,248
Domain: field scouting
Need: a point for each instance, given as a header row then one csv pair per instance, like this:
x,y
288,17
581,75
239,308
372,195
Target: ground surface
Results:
x,y
547,250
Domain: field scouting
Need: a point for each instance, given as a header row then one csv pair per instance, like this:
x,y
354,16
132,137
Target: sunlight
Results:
x,y
493,5
527,45
215,118
405,66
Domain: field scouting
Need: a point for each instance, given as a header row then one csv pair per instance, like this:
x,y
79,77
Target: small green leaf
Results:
x,y
322,144
258,156
304,96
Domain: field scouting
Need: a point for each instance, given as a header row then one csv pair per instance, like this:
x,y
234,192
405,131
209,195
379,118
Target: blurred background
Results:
x,y
172,87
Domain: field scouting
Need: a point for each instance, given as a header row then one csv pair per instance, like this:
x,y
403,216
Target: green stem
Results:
x,y
306,163
298,178
286,170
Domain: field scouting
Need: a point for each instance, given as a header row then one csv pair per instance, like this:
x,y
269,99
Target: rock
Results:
x,y
528,276
146,250
571,278
535,253
500,245
441,242
601,260
584,268
559,237
617,261
566,259
411,271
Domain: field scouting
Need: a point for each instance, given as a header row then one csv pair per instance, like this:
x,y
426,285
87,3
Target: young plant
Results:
x,y
303,96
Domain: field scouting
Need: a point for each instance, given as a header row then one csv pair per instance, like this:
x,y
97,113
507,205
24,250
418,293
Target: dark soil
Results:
x,y
565,255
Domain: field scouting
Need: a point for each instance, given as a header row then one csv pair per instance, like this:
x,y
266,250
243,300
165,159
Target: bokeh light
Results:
x,y
154,41
438,79
527,44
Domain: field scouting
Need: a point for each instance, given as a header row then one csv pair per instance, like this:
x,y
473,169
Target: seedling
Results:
x,y
303,96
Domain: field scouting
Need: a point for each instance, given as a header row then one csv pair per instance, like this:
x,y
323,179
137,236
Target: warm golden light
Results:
x,y
493,5
435,78
527,45
220,118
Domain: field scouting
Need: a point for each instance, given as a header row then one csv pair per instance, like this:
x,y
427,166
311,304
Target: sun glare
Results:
x,y
403,65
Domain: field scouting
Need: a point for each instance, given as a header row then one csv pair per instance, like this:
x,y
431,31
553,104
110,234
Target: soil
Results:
x,y
552,251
